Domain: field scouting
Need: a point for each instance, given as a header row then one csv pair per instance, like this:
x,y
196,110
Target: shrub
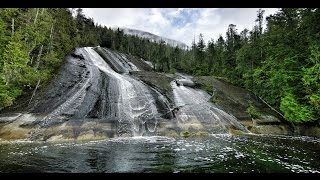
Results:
x,y
252,111
294,111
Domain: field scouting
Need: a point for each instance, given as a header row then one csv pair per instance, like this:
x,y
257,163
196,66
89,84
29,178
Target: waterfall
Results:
x,y
118,61
130,101
194,106
96,85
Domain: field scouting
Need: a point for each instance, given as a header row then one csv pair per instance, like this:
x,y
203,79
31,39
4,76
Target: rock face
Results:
x,y
271,129
195,112
99,94
235,101
159,81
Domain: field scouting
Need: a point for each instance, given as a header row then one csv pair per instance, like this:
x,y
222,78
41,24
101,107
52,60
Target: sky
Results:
x,y
182,24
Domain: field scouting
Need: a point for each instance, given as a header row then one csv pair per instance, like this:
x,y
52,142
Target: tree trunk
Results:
x,y
28,22
252,75
34,92
35,19
51,39
51,31
31,61
6,73
30,47
270,106
12,27
39,56
128,48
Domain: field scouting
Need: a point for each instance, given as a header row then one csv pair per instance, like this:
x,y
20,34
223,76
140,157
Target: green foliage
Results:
x,y
14,60
33,44
294,111
214,99
206,87
311,79
5,99
7,94
315,100
172,71
252,111
201,70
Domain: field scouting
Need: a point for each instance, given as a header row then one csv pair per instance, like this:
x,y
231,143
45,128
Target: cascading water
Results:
x,y
118,61
97,85
193,106
130,101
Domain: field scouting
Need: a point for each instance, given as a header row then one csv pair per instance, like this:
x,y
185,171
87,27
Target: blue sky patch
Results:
x,y
185,16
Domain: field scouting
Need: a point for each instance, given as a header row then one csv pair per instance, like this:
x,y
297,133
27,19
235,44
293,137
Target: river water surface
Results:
x,y
217,153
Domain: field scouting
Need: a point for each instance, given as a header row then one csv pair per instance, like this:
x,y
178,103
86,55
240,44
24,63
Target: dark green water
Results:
x,y
214,154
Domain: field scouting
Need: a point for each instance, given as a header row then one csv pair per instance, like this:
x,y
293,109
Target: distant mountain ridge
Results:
x,y
154,38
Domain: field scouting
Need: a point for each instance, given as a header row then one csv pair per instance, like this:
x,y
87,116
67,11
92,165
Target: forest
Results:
x,y
279,63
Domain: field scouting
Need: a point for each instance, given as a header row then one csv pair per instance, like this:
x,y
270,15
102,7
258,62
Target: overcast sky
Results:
x,y
180,24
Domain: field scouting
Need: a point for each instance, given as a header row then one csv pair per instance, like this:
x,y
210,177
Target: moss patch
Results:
x,y
214,99
236,132
204,86
187,134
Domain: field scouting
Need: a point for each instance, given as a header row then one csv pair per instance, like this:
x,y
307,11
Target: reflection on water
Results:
x,y
217,153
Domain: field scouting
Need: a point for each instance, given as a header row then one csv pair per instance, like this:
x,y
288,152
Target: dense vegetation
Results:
x,y
33,44
280,63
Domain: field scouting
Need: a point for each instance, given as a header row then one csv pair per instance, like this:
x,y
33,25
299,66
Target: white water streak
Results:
x,y
193,104
135,102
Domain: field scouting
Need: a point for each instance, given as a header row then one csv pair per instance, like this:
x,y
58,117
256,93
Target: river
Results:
x,y
219,153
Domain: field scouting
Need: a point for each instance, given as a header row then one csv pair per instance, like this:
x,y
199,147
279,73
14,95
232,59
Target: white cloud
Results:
x,y
209,22
116,17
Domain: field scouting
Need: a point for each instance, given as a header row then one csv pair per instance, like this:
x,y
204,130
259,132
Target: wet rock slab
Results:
x,y
232,99
265,120
9,117
272,129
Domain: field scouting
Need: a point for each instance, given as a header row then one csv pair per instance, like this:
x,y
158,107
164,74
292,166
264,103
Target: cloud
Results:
x,y
182,24
114,17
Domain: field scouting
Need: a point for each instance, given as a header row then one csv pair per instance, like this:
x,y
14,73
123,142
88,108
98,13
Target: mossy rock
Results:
x,y
214,99
271,129
236,132
201,134
185,134
206,87
172,134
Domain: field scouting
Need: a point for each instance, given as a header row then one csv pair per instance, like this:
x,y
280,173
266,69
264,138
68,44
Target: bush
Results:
x,y
214,99
252,111
294,111
5,100
206,87
172,71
